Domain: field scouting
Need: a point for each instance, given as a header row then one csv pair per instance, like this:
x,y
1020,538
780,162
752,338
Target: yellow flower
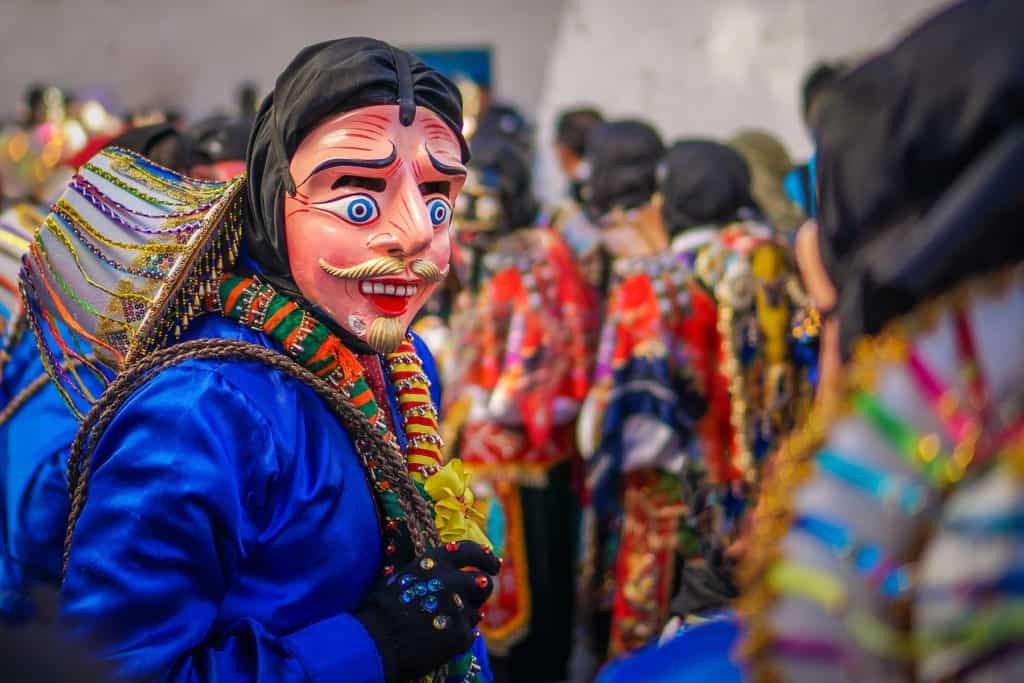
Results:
x,y
455,516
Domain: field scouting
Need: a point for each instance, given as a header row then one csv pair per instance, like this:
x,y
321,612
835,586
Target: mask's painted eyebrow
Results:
x,y
356,163
442,167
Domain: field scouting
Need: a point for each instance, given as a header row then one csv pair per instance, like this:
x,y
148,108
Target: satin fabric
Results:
x,y
230,531
700,654
33,491
648,392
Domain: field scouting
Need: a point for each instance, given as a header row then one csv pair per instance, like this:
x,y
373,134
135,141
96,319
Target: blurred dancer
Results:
x,y
520,367
696,381
618,217
571,130
888,543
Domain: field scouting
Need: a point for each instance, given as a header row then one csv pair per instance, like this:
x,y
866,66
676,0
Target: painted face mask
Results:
x,y
368,227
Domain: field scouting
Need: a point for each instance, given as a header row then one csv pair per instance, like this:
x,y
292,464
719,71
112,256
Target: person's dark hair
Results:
x,y
506,162
222,138
623,158
817,81
248,99
703,182
162,143
506,121
572,127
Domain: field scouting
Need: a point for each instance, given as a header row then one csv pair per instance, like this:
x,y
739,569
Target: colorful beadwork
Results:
x,y
154,241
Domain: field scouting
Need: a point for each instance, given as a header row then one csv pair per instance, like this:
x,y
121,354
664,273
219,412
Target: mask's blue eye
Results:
x,y
357,209
440,211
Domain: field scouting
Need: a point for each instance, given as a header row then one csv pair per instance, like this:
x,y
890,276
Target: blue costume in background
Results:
x,y
699,654
188,503
800,186
33,496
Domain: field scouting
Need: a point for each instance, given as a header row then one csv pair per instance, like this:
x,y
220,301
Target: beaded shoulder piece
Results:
x,y
16,227
123,261
859,497
762,313
538,317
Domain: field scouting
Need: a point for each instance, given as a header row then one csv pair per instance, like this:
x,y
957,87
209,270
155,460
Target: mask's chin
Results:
x,y
385,334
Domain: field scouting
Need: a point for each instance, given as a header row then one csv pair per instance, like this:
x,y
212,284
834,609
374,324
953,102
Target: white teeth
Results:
x,y
368,287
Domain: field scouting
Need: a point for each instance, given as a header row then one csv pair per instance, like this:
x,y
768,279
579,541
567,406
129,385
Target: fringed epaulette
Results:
x,y
17,224
121,265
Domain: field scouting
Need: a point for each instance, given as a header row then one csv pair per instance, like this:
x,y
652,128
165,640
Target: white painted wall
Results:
x,y
706,67
690,66
193,53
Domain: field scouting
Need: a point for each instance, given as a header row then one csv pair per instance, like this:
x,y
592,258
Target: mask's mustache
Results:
x,y
428,271
385,265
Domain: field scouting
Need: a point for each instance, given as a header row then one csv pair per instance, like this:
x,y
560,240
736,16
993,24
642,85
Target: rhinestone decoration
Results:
x,y
440,622
427,564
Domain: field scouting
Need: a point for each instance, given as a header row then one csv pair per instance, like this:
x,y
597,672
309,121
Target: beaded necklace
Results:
x,y
259,306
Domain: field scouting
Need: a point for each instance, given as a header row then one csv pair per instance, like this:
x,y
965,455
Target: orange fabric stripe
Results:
x,y
235,293
275,319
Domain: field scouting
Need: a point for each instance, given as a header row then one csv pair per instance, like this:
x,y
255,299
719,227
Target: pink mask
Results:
x,y
368,228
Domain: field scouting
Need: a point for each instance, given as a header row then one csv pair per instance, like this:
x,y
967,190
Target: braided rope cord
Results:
x,y
369,443
23,397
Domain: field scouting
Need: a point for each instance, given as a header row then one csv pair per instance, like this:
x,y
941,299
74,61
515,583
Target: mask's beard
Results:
x,y
385,334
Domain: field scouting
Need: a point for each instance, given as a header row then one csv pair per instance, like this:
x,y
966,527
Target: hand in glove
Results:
x,y
428,611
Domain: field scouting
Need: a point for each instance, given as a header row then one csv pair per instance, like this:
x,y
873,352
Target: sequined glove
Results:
x,y
427,612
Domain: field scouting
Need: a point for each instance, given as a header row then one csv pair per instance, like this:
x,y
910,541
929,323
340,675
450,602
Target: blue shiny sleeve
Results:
x,y
171,513
34,443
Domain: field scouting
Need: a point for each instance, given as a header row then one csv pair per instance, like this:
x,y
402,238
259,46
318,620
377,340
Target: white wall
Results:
x,y
706,67
690,66
193,53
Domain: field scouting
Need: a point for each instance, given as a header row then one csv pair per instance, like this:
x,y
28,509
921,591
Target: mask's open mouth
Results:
x,y
390,296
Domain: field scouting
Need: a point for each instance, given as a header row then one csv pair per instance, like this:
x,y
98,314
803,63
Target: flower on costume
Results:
x,y
455,516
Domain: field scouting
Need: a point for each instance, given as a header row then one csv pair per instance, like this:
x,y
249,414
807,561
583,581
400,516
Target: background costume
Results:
x,y
519,341
883,547
696,382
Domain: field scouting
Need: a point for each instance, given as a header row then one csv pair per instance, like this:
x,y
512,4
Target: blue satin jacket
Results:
x,y
33,492
700,654
230,531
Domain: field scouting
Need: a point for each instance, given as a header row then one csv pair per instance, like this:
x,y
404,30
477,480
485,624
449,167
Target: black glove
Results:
x,y
427,612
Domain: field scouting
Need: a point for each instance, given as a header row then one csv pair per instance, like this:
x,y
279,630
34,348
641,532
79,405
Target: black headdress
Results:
x,y
921,165
323,80
623,157
703,183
